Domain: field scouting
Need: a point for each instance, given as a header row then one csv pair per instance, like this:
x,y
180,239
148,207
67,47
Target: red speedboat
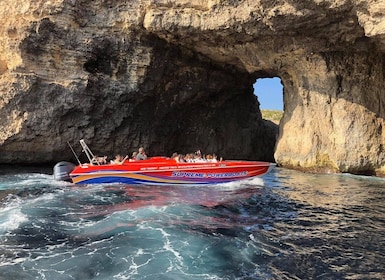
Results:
x,y
161,171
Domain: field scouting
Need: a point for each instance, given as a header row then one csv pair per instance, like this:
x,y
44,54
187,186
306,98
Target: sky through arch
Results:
x,y
270,93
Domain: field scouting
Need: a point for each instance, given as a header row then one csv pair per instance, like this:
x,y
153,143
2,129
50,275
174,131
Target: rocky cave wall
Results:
x,y
86,71
178,76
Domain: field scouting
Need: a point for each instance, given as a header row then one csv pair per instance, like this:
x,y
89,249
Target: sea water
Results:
x,y
286,225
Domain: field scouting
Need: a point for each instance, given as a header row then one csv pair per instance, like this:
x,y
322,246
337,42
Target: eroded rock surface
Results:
x,y
178,75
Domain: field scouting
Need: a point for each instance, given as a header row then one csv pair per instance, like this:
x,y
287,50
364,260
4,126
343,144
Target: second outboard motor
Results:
x,y
62,170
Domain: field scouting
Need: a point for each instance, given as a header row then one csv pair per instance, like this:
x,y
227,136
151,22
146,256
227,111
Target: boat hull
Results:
x,y
163,171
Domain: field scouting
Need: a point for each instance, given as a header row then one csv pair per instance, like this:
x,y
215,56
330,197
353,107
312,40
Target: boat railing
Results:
x,y
91,157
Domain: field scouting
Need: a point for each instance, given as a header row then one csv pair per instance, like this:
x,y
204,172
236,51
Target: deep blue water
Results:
x,y
287,225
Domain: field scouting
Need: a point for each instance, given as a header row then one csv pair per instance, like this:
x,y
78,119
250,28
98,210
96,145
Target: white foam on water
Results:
x,y
168,246
253,182
46,197
11,218
134,267
12,214
8,262
28,180
110,225
33,179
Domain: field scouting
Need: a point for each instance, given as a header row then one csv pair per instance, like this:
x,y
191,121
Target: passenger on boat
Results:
x,y
142,154
215,158
198,157
175,156
189,158
133,157
119,159
99,160
194,157
211,158
180,158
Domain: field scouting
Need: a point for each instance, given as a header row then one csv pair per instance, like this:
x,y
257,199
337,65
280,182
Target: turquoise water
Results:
x,y
287,225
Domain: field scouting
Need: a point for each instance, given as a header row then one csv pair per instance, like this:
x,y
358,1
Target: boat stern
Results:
x,y
62,170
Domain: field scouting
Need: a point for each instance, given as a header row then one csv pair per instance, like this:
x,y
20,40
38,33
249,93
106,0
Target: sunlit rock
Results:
x,y
178,76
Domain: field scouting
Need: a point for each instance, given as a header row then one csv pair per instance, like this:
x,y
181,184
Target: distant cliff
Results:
x,y
178,76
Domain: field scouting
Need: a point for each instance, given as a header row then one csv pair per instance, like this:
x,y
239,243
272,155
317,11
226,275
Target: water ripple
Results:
x,y
291,225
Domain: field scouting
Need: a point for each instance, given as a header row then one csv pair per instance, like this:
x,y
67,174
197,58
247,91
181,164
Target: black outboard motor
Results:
x,y
62,170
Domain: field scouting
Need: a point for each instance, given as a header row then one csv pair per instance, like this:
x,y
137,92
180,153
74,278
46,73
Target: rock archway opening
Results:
x,y
269,92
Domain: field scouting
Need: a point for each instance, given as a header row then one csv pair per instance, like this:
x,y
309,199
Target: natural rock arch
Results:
x,y
329,64
179,74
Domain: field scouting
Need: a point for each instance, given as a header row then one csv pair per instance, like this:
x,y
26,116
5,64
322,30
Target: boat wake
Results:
x,y
51,229
275,228
256,182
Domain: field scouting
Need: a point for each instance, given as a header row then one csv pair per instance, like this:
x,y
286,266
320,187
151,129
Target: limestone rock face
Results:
x,y
178,75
